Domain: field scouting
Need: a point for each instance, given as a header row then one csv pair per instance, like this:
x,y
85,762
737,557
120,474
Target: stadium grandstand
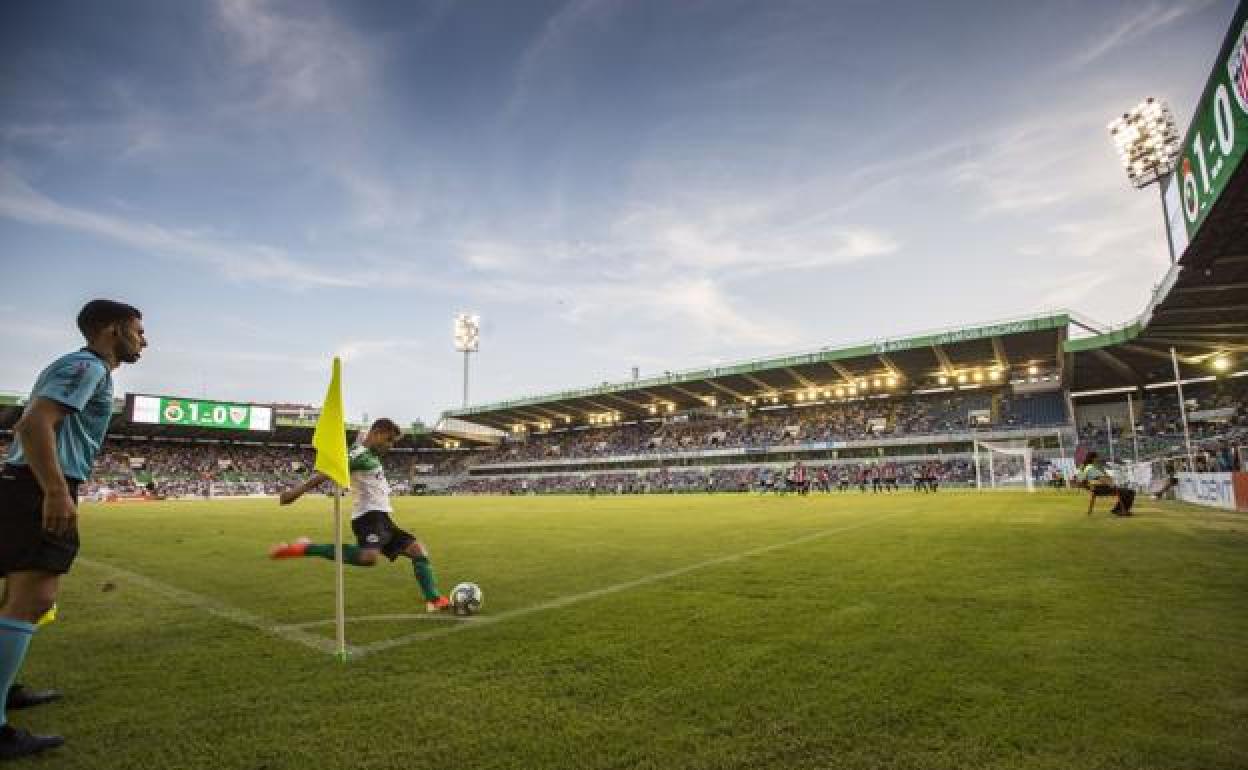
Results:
x,y
900,408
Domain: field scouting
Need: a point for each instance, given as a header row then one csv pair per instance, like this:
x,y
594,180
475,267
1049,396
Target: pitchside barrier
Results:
x,y
1219,490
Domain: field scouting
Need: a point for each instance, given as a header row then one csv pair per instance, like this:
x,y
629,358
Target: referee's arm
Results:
x,y
37,432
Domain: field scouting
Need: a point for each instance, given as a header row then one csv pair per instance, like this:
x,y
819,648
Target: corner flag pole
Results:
x,y
330,441
340,587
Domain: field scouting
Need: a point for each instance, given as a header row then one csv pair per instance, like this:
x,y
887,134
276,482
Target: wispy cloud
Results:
x,y
670,266
237,261
558,32
354,350
1144,19
1036,163
1068,289
295,61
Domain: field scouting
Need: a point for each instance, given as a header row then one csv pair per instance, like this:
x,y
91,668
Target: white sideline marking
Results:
x,y
375,618
563,601
220,609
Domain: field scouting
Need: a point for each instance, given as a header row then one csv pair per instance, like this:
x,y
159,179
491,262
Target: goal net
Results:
x,y
1003,465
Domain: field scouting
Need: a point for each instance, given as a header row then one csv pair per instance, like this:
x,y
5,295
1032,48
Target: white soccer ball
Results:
x,y
466,599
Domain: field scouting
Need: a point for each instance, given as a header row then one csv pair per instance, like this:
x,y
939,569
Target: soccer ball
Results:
x,y
466,599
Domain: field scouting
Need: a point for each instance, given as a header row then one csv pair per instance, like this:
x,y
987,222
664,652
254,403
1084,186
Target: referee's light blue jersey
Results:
x,y
82,383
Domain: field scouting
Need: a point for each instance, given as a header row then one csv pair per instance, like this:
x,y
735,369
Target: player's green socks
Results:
x,y
350,553
14,639
424,575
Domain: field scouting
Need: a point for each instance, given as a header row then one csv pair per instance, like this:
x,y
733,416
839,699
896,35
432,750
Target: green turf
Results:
x,y
948,631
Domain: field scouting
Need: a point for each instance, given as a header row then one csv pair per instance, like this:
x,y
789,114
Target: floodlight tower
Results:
x,y
1147,141
467,341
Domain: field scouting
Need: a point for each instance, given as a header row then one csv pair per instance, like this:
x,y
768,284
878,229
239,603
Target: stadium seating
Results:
x,y
900,416
189,468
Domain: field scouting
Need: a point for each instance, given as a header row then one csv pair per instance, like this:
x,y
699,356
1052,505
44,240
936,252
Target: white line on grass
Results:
x,y
486,620
376,618
220,609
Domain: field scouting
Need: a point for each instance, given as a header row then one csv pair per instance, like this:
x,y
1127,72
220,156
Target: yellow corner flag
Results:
x,y
330,437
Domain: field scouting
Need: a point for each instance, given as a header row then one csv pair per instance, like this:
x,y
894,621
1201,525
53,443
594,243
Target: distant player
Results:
x,y
843,486
890,478
375,532
801,484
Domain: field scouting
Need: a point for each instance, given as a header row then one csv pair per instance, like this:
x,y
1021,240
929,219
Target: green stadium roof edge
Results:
x,y
918,359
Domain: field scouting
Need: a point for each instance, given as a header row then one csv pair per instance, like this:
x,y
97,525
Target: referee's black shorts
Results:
x,y
24,544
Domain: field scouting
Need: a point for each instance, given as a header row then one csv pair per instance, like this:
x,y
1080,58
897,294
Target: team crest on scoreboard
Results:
x,y
238,414
1237,68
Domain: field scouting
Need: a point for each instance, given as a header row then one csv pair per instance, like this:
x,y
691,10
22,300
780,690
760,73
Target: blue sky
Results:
x,y
609,183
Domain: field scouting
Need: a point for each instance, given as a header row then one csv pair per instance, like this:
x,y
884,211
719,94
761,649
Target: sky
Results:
x,y
608,183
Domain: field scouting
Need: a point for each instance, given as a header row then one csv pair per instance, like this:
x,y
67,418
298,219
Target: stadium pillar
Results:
x,y
1109,435
465,379
1187,436
1135,439
1165,214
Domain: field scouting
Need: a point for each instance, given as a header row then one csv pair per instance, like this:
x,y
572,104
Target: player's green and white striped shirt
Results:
x,y
369,488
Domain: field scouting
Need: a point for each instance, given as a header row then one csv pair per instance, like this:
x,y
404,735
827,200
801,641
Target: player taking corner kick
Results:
x,y
374,530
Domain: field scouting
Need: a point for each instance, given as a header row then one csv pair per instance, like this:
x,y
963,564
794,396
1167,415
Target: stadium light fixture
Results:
x,y
876,382
978,376
853,390
1221,364
1147,140
840,393
892,382
962,379
467,336
995,374
943,380
1033,370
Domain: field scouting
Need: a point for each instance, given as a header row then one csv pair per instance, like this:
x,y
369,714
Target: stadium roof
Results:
x,y
1011,350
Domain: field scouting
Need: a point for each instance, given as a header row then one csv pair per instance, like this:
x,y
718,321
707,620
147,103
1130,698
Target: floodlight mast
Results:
x,y
467,341
1147,141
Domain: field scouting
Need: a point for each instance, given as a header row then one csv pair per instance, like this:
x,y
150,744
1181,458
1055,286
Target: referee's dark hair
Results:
x,y
388,425
98,314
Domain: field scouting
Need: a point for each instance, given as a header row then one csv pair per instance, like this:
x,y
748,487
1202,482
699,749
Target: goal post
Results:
x,y
1003,465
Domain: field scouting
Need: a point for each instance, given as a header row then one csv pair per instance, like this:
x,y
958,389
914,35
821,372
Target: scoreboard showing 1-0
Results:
x,y
167,410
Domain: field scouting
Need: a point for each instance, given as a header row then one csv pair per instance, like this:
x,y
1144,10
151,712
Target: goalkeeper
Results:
x,y
374,530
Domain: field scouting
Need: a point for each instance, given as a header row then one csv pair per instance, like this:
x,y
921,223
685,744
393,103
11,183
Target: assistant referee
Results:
x,y
54,444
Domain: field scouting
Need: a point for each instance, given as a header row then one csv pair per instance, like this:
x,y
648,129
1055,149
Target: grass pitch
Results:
x,y
855,631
